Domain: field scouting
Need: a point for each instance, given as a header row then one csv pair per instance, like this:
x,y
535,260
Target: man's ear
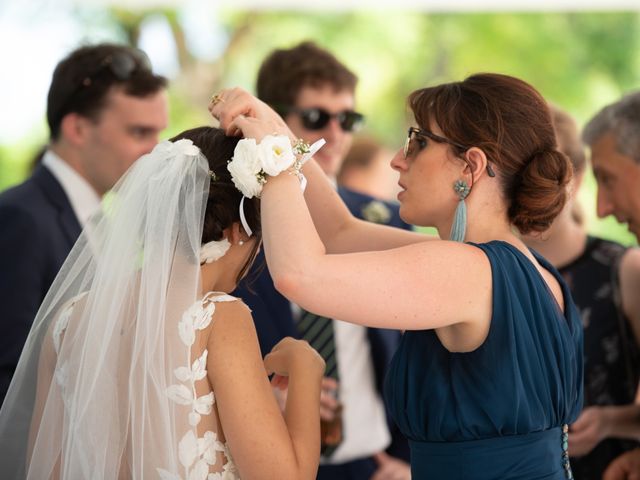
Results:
x,y
74,128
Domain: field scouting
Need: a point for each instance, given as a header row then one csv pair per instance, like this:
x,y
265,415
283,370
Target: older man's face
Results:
x,y
618,178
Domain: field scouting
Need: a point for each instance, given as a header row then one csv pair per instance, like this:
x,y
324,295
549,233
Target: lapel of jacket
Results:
x,y
55,193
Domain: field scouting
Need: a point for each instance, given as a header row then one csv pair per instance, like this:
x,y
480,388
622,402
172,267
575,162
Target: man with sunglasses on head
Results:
x,y
315,94
105,108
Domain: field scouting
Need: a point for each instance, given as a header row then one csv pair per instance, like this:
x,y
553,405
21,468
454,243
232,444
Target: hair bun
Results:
x,y
541,192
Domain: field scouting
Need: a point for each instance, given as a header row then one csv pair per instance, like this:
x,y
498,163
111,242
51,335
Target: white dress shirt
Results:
x,y
83,198
364,422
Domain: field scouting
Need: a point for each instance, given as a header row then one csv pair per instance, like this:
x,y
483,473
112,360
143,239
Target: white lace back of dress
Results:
x,y
202,450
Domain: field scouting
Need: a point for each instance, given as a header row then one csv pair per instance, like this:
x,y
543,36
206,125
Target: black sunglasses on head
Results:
x,y
121,64
317,118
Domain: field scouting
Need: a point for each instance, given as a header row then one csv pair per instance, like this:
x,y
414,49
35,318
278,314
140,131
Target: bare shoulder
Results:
x,y
629,286
232,309
629,275
450,253
630,264
232,325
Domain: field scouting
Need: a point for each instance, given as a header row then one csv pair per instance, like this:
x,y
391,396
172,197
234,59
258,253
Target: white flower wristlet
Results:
x,y
252,162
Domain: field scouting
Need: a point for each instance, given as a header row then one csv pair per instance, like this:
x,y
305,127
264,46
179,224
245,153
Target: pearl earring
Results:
x,y
241,242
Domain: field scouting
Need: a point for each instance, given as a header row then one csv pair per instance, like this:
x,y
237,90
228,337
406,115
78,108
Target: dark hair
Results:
x,y
82,81
287,71
510,121
223,203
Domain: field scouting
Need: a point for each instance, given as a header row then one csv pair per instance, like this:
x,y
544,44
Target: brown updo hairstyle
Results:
x,y
223,203
510,122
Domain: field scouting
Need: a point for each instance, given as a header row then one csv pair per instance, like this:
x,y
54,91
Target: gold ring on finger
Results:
x,y
216,98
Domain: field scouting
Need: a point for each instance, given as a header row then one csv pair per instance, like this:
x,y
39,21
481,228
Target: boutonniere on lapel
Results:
x,y
376,212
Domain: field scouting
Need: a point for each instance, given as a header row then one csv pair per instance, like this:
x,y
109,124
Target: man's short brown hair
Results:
x,y
285,72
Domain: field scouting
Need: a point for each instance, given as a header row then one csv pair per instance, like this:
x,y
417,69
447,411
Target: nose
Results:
x,y
333,131
149,143
398,162
604,205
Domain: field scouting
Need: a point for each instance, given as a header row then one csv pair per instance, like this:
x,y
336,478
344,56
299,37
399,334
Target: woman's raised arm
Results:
x,y
340,231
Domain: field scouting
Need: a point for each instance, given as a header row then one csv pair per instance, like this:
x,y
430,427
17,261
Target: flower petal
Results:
x,y
180,394
203,404
188,449
200,471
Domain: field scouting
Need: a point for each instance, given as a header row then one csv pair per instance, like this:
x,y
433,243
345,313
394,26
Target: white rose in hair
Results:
x,y
245,168
186,147
276,154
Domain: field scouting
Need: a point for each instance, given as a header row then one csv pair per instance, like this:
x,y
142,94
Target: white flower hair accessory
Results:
x,y
183,146
212,251
245,168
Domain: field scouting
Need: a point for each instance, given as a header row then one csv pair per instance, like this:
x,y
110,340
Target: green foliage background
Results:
x,y
580,61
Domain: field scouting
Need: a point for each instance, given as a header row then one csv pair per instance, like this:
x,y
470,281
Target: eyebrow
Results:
x,y
144,128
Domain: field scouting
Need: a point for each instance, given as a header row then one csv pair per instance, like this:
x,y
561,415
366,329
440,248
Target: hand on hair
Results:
x,y
239,112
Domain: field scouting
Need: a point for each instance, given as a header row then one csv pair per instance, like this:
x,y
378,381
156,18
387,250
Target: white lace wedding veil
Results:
x,y
89,396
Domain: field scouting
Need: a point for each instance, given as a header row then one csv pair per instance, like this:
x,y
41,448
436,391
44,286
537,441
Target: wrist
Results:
x,y
312,366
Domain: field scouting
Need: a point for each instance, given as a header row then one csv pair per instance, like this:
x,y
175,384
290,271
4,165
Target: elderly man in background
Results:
x,y
613,136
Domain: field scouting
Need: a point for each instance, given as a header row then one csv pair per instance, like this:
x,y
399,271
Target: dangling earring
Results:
x,y
459,225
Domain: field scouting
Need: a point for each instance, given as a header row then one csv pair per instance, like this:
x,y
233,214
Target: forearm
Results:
x,y
302,416
291,244
624,421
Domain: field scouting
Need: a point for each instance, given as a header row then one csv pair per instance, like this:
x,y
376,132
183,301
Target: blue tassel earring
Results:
x,y
459,226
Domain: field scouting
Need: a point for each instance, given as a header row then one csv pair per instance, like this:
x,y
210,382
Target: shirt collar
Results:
x,y
83,198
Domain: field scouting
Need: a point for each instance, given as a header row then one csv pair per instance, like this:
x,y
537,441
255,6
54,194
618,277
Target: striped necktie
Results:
x,y
319,332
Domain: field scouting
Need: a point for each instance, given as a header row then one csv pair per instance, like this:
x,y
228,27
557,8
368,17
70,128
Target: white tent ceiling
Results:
x,y
419,5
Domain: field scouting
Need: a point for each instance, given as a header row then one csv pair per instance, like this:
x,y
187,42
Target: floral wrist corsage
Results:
x,y
252,162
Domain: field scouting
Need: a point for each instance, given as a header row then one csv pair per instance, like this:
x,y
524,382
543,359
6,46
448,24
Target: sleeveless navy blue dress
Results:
x,y
500,411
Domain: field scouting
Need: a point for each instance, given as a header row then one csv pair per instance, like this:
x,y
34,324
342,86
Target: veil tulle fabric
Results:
x,y
91,385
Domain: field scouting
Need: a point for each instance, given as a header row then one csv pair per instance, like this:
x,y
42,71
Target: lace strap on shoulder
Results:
x,y
216,297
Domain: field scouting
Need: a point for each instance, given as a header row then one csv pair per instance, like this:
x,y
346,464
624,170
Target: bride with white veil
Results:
x,y
139,364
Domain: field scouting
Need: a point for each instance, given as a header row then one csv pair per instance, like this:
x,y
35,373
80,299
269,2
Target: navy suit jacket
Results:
x,y
38,228
273,318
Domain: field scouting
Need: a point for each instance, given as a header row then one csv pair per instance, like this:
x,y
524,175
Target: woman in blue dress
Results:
x,y
489,370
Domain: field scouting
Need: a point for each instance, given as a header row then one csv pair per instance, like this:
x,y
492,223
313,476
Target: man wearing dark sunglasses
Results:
x,y
105,108
315,94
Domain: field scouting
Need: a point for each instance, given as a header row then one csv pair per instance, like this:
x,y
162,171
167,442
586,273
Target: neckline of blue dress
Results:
x,y
566,294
